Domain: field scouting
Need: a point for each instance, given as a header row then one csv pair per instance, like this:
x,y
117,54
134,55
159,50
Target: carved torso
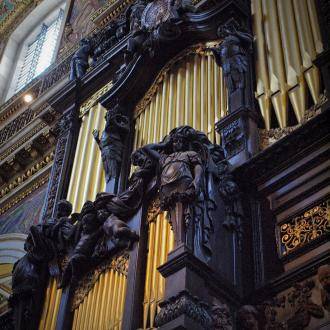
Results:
x,y
176,166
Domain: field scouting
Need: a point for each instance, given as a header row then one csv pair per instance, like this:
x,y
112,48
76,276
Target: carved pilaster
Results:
x,y
66,132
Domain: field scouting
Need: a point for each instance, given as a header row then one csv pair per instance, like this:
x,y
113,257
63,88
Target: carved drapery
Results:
x,y
304,229
286,49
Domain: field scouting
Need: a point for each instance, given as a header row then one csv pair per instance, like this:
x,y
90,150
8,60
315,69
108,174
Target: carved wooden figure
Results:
x,y
183,188
112,141
232,56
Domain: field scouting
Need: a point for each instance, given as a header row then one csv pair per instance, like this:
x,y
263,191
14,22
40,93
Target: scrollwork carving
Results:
x,y
304,228
184,304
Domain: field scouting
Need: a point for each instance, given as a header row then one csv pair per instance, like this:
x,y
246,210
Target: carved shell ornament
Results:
x,y
155,13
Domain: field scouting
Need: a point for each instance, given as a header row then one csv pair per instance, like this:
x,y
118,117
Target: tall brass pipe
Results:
x,y
51,306
287,39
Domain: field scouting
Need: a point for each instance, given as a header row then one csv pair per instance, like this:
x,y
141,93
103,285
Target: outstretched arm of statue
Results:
x,y
96,136
247,38
152,149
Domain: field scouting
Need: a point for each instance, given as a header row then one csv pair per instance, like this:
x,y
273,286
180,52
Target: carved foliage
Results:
x,y
184,304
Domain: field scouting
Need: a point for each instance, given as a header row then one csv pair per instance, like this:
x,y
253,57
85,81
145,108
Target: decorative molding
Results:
x,y
109,12
26,138
16,125
304,228
16,102
119,264
24,193
184,304
92,101
27,174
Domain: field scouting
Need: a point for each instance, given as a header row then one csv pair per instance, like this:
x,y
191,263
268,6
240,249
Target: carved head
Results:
x,y
323,274
138,158
248,317
84,42
64,208
89,218
221,316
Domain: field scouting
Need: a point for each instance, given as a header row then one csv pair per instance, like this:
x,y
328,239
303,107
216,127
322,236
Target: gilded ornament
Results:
x,y
304,228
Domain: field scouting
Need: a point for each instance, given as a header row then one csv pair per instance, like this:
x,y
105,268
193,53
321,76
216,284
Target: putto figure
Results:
x,y
232,56
112,141
182,160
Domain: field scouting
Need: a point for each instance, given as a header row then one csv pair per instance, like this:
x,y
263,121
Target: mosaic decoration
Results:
x,y
27,213
304,228
12,13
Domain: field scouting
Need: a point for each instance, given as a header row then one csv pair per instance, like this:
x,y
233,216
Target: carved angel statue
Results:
x,y
112,141
182,160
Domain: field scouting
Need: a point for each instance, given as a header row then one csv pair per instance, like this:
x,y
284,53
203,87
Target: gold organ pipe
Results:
x,y
263,89
315,26
90,174
275,62
103,307
292,59
307,47
51,306
87,178
286,48
75,176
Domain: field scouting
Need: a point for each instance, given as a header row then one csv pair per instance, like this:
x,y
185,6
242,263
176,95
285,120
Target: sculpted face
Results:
x,y
138,158
178,144
324,276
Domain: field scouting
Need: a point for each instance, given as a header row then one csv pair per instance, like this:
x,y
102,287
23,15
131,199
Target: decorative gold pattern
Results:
x,y
91,102
109,12
27,174
36,185
119,265
304,228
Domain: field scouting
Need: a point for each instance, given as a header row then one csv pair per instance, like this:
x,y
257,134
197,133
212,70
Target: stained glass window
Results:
x,y
40,53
